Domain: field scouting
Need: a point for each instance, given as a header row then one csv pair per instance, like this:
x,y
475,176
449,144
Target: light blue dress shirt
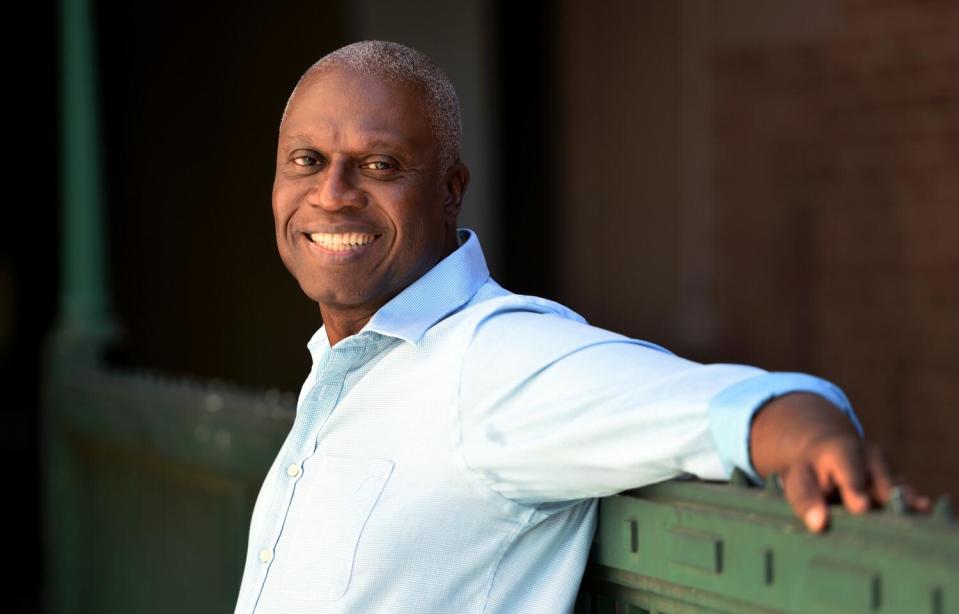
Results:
x,y
448,457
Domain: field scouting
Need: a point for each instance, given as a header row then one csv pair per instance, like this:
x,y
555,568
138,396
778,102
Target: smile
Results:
x,y
343,241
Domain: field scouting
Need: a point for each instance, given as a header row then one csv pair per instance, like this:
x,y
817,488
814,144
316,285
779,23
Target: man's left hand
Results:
x,y
818,453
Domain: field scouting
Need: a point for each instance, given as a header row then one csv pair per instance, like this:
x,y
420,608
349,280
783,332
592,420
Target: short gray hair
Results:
x,y
406,65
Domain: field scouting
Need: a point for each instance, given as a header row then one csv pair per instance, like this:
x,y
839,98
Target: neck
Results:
x,y
340,323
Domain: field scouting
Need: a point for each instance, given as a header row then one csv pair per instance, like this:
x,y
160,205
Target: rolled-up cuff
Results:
x,y
731,412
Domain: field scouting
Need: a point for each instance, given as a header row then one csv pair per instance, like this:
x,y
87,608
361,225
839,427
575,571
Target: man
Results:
x,y
452,438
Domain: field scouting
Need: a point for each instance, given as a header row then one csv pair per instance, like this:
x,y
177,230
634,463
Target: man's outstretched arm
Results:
x,y
552,409
817,451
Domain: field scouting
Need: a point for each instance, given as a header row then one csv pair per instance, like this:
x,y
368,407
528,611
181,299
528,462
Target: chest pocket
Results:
x,y
333,501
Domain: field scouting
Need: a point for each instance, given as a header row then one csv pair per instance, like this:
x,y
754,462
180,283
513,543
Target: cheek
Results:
x,y
283,209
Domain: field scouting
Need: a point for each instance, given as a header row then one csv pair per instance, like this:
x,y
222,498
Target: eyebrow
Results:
x,y
372,143
299,139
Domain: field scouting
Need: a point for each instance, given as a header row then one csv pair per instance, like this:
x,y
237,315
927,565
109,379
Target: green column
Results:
x,y
85,317
84,321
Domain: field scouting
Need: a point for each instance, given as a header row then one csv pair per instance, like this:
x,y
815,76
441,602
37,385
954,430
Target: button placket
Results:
x,y
316,409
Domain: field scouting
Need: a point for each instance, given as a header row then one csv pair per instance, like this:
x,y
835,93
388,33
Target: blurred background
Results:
x,y
772,183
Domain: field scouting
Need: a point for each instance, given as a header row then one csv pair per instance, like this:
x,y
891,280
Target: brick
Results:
x,y
880,20
838,199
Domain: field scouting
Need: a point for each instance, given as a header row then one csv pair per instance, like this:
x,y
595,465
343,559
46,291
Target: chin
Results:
x,y
336,297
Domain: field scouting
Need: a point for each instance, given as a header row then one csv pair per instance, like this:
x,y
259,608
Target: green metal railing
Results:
x,y
699,547
154,480
150,482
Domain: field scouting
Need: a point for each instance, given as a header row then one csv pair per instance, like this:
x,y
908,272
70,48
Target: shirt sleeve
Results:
x,y
552,409
731,411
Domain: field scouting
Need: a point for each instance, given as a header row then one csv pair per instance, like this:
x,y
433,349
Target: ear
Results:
x,y
454,184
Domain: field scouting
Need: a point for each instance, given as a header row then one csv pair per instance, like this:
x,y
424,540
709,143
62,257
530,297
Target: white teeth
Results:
x,y
343,241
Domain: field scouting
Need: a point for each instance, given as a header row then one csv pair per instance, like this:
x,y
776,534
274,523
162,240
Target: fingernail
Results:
x,y
816,519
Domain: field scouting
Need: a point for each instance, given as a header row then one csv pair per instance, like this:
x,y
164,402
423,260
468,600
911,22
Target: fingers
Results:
x,y
882,478
848,470
802,491
862,476
884,483
916,502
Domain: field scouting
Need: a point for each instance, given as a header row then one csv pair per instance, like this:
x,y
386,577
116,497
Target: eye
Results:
x,y
306,160
380,166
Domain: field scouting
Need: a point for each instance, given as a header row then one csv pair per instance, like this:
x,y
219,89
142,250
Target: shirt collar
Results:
x,y
441,291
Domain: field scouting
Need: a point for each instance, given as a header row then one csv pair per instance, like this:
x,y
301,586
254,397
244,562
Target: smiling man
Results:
x,y
359,175
451,438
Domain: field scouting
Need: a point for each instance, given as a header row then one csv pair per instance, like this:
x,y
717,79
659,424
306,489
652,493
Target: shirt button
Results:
x,y
266,555
293,470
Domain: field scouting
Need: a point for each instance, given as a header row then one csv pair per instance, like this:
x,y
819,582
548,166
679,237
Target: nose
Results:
x,y
335,188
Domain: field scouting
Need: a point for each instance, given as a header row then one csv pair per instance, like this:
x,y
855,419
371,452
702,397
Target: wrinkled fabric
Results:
x,y
448,457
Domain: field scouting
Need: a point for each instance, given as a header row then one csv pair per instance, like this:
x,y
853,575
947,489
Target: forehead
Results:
x,y
342,105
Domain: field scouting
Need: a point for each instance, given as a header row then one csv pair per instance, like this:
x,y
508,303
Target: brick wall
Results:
x,y
836,182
